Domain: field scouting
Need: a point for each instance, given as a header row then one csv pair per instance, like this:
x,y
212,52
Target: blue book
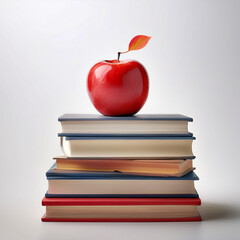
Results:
x,y
78,125
115,184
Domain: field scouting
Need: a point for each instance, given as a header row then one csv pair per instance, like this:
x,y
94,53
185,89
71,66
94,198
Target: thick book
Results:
x,y
121,209
148,167
140,124
128,147
115,184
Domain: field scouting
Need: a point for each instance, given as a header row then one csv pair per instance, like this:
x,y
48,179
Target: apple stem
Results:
x,y
119,53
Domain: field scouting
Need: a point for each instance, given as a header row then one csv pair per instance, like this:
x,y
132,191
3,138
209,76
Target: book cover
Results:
x,y
137,117
186,219
119,201
123,135
50,195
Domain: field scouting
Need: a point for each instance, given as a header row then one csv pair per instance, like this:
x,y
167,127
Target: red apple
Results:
x,y
118,87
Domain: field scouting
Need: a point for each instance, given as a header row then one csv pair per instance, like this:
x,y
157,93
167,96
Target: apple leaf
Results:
x,y
138,42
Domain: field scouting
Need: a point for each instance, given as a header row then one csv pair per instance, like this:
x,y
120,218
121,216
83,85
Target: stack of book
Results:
x,y
134,168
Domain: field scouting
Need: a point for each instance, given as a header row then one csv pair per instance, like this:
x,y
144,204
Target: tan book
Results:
x,y
150,167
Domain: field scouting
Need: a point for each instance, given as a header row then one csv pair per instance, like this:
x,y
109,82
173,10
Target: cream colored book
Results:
x,y
128,147
114,184
166,124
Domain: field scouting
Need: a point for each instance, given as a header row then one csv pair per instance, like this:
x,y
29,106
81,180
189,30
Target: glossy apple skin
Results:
x,y
118,88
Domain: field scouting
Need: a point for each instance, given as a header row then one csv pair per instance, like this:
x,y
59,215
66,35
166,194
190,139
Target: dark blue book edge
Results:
x,y
47,195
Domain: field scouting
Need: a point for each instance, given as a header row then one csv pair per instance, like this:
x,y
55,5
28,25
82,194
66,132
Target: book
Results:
x,y
140,124
148,167
120,209
128,147
115,184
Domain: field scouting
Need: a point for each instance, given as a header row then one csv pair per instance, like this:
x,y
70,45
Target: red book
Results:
x,y
121,209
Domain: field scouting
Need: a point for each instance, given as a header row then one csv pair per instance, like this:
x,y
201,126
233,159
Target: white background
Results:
x,y
193,61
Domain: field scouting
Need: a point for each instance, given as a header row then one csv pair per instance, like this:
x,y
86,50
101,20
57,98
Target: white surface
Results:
x,y
47,49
